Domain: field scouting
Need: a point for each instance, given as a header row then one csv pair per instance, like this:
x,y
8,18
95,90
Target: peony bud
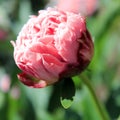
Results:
x,y
84,7
5,82
51,46
3,35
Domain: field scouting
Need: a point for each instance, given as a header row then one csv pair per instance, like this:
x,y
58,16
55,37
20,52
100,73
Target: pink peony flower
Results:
x,y
85,7
3,34
5,82
51,46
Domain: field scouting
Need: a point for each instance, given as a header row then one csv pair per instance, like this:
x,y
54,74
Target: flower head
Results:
x,y
84,7
52,45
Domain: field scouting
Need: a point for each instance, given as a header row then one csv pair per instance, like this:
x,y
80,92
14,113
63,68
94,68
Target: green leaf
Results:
x,y
67,92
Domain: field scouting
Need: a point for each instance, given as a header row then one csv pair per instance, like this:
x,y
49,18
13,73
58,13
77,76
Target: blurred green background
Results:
x,y
18,102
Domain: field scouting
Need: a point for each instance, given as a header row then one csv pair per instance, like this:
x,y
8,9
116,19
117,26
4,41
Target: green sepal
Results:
x,y
67,92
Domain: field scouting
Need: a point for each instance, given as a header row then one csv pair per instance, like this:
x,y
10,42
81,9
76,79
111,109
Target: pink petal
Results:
x,y
53,65
45,49
30,81
66,44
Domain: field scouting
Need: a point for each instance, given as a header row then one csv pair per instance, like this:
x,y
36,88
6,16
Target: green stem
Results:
x,y
101,111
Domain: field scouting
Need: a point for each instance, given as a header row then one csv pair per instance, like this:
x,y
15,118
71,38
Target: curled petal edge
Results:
x,y
30,81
